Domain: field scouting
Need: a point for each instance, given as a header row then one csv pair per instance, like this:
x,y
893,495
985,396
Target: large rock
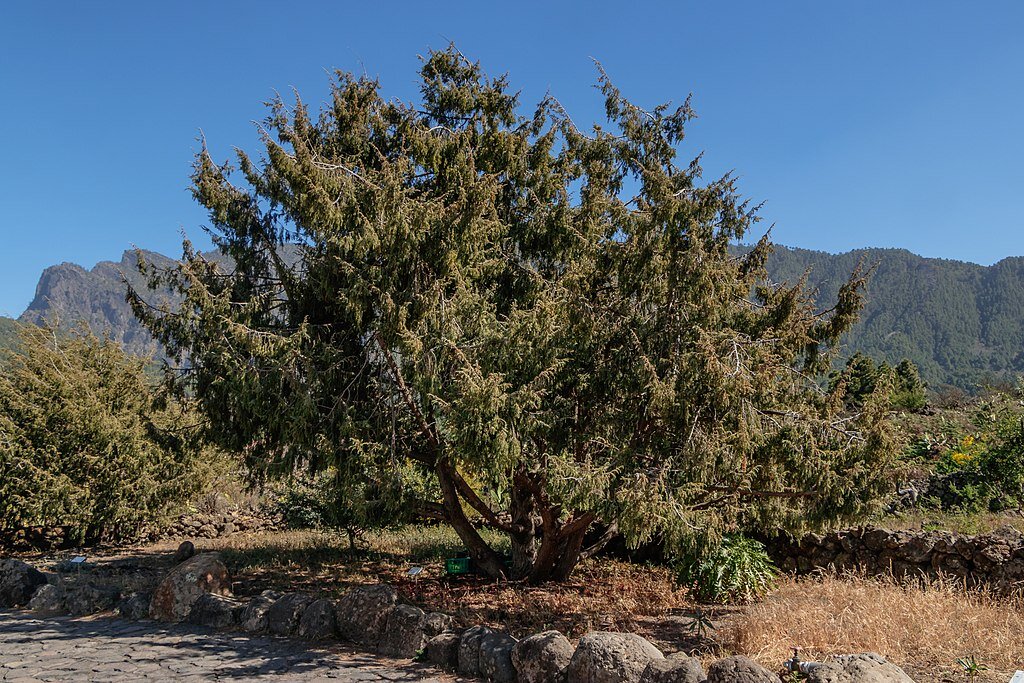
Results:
x,y
318,621
135,606
404,634
496,658
676,668
186,583
863,668
436,623
254,615
81,598
469,650
362,613
284,615
18,582
603,657
542,658
740,669
215,610
443,650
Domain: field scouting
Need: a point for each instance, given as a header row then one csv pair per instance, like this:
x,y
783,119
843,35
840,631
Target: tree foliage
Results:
x,y
862,377
84,443
544,323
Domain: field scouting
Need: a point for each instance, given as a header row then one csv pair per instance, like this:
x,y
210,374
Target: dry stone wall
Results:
x,y
994,559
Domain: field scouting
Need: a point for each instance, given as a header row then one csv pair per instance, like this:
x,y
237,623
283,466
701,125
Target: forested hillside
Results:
x,y
961,323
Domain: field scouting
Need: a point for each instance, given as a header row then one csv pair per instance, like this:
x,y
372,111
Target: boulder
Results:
x,y
496,658
318,621
48,599
443,650
676,668
862,668
603,657
186,583
362,613
436,623
469,650
403,634
18,582
135,606
254,615
185,551
542,658
739,669
215,610
89,598
284,615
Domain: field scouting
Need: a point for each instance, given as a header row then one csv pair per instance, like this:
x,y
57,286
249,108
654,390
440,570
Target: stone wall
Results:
x,y
994,559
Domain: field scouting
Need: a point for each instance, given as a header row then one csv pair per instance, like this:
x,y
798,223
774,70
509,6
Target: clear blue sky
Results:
x,y
871,123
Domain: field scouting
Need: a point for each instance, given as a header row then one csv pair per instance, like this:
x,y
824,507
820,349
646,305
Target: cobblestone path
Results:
x,y
104,649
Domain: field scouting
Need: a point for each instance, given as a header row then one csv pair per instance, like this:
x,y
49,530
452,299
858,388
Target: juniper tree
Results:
x,y
539,326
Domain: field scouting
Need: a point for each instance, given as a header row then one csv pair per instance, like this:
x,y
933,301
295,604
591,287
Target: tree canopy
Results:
x,y
534,326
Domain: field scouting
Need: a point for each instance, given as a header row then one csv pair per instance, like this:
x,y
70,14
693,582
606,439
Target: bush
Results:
x,y
737,570
85,443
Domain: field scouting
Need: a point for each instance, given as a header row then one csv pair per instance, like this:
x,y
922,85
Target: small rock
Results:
x,y
862,668
217,611
18,582
443,650
186,583
676,668
284,615
254,616
403,636
363,612
496,658
469,650
135,606
436,623
603,657
318,621
542,658
48,599
740,669
185,551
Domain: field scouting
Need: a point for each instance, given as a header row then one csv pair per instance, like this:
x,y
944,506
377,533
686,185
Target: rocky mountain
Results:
x,y
962,323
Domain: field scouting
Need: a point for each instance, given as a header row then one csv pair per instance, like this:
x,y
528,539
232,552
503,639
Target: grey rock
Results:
x,y
603,657
362,613
740,669
186,583
185,551
283,616
318,621
135,606
496,658
675,668
862,668
435,623
48,599
403,635
254,615
542,658
469,650
18,582
88,598
217,611
443,650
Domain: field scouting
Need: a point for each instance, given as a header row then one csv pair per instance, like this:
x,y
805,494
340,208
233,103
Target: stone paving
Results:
x,y
34,648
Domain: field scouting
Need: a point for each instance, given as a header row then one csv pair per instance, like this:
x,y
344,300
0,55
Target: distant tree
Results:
x,y
909,391
84,443
861,376
546,323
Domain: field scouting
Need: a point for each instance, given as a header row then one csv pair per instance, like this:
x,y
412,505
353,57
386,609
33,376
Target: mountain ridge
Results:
x,y
962,323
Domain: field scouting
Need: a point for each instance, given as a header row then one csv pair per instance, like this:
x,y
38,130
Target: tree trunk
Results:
x,y
483,555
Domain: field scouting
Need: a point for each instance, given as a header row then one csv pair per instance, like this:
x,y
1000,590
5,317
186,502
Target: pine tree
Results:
x,y
540,328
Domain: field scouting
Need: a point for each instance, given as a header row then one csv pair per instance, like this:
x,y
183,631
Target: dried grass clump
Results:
x,y
923,627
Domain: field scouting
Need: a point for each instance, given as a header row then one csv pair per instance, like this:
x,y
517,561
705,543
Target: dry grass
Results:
x,y
924,628
936,520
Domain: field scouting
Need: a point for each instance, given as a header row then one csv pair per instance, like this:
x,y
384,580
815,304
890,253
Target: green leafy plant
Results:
x,y
739,569
701,624
972,667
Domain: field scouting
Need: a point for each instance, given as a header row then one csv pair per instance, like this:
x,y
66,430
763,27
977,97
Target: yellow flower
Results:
x,y
960,458
968,441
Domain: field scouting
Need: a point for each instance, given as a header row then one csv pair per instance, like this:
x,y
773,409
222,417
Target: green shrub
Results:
x,y
85,443
739,569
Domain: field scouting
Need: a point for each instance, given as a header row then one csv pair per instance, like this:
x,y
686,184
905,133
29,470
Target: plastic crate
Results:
x,y
457,565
